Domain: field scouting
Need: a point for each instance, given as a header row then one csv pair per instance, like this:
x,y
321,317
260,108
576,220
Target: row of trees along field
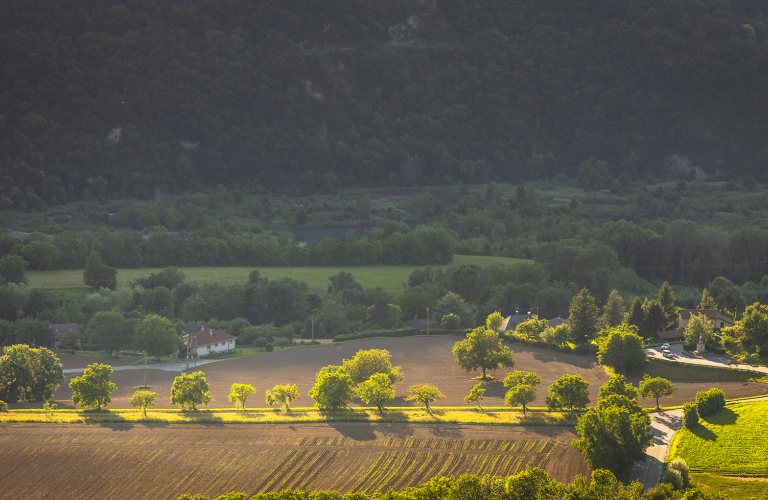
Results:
x,y
184,94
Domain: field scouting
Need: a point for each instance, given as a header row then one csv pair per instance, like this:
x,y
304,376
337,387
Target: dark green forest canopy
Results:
x,y
262,94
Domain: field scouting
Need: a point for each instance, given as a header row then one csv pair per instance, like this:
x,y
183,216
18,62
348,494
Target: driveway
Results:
x,y
663,427
708,359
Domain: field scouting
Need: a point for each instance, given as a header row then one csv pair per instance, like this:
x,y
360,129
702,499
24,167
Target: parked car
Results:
x,y
665,346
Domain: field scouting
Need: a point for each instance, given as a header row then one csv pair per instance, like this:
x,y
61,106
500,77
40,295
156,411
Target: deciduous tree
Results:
x,y
494,321
190,390
522,388
110,329
475,395
613,438
240,394
283,394
377,390
531,329
92,390
482,349
97,274
568,391
424,393
366,363
617,385
698,326
12,269
332,389
157,335
621,348
144,400
28,374
654,388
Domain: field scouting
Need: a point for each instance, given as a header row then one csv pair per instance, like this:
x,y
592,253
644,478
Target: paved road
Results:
x,y
663,426
168,367
709,359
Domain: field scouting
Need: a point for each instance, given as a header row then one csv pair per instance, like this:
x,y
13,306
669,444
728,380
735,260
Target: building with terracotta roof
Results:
x,y
555,322
204,341
62,329
718,320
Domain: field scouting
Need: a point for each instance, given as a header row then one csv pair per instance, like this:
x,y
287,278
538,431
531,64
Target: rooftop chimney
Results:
x,y
210,331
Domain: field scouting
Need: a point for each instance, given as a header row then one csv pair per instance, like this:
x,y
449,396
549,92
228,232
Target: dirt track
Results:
x,y
423,359
124,461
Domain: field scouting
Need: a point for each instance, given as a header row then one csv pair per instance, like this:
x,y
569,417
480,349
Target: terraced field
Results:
x,y
156,461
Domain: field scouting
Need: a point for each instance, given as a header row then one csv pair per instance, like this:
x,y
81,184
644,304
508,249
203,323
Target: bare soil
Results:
x,y
125,461
423,359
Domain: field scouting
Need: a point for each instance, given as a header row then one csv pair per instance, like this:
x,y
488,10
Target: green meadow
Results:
x,y
731,441
70,281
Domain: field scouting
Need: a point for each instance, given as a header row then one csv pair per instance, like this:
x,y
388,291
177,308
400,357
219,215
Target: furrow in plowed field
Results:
x,y
124,461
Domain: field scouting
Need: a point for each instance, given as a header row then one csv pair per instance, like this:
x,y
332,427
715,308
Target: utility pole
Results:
x,y
145,371
313,329
427,320
188,350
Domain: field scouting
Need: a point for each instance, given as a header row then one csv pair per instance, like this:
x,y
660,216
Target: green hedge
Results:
x,y
710,402
400,332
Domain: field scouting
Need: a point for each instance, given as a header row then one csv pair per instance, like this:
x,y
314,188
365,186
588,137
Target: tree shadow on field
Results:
x,y
545,357
445,431
494,389
358,431
726,416
702,432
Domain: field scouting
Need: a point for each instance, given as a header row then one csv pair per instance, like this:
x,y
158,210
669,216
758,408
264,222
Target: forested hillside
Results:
x,y
116,99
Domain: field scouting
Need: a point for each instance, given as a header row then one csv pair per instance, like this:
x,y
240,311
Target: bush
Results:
x,y
3,406
690,414
442,331
681,466
270,347
586,349
401,332
710,402
672,477
260,342
281,342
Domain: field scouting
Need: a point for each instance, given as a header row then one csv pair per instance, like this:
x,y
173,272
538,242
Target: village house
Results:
x,y
62,329
718,320
204,341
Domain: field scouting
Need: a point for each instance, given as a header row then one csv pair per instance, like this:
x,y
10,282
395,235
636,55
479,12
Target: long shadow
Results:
x,y
495,389
726,416
703,433
359,431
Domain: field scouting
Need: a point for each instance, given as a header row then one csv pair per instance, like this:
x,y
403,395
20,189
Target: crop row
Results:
x,y
323,441
396,470
297,470
520,446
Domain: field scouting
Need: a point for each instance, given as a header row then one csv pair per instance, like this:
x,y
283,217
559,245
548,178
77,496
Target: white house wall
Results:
x,y
220,348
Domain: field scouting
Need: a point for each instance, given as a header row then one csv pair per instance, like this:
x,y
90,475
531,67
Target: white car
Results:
x,y
666,353
665,347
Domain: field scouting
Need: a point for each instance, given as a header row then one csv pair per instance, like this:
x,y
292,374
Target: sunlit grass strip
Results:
x,y
298,415
730,441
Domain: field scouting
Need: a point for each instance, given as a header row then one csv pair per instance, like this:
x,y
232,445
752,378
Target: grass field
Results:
x,y
731,441
130,461
681,371
734,488
70,281
488,416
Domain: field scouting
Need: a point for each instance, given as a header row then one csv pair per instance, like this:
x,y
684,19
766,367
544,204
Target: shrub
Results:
x,y
681,466
3,406
260,342
281,342
690,414
672,477
450,322
710,402
270,347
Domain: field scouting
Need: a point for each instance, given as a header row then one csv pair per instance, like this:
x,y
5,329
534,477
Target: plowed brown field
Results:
x,y
423,359
124,461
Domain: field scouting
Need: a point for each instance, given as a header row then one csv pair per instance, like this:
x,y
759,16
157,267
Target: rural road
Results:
x,y
711,359
168,367
663,426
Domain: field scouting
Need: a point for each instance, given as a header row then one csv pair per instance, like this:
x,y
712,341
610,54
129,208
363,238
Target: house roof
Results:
x,y
62,329
511,322
709,313
671,334
555,322
192,328
206,336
